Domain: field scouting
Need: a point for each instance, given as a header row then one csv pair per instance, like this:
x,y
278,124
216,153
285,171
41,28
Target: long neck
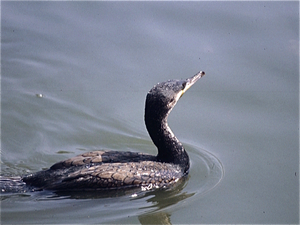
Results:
x,y
170,149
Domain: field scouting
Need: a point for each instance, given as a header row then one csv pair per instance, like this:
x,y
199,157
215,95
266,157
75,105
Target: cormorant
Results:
x,y
101,170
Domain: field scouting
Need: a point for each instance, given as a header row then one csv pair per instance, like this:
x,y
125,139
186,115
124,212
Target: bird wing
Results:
x,y
117,175
102,156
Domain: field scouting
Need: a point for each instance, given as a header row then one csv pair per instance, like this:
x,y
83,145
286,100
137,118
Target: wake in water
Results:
x,y
12,185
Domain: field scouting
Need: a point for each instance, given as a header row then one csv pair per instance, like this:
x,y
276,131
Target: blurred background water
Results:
x,y
74,76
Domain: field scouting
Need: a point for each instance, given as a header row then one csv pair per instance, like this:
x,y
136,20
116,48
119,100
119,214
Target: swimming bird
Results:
x,y
102,170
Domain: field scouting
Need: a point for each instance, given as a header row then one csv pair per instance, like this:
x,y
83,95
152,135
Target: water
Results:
x,y
74,79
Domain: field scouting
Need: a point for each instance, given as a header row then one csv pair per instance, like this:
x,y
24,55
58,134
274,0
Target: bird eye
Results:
x,y
183,86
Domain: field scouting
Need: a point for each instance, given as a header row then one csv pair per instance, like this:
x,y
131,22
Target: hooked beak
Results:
x,y
192,80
